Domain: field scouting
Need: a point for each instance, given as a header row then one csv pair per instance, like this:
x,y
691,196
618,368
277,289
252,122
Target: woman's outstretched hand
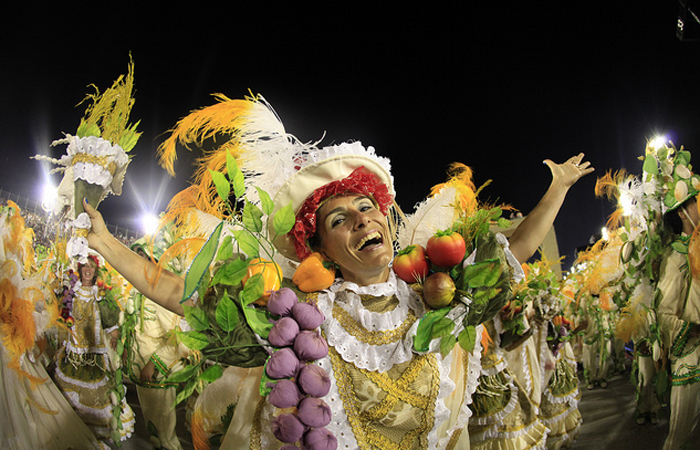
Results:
x,y
569,172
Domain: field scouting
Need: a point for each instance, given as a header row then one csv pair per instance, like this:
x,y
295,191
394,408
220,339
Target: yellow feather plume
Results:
x,y
460,178
223,119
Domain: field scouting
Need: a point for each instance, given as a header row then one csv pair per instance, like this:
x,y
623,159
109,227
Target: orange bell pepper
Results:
x,y
313,274
271,274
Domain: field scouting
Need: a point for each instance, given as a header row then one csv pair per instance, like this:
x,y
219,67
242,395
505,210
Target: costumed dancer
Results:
x,y
84,371
678,308
94,166
637,222
560,396
368,368
33,412
152,349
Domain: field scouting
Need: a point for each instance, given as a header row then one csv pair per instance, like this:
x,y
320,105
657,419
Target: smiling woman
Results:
x,y
388,380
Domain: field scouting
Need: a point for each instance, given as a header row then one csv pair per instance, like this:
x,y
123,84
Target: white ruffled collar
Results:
x,y
375,357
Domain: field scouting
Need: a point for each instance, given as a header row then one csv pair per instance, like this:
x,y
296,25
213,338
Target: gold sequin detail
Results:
x,y
372,337
422,369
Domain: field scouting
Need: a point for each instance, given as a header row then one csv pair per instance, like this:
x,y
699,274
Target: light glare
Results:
x,y
149,224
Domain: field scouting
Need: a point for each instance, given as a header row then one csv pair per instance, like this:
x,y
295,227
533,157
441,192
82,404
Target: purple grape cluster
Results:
x,y
301,385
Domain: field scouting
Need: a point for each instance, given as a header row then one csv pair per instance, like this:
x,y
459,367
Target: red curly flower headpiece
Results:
x,y
360,181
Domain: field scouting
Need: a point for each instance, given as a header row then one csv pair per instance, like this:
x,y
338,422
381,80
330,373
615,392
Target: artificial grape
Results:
x,y
308,316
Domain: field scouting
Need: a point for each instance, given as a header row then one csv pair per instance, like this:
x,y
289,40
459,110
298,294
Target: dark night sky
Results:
x,y
499,88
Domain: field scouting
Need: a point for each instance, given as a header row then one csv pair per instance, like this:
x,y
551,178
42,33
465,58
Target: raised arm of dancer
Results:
x,y
168,289
527,238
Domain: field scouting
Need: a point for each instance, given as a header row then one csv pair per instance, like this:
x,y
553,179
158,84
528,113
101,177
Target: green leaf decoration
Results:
x,y
254,289
196,318
504,223
258,320
226,313
183,375
231,273
680,247
443,327
201,262
447,343
225,249
424,332
252,217
223,187
211,374
467,338
186,392
484,273
247,243
650,166
265,201
231,166
193,339
235,175
284,219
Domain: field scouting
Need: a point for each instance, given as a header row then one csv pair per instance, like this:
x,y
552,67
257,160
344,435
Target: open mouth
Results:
x,y
371,239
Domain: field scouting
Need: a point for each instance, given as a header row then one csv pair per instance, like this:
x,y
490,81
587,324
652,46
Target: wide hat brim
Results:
x,y
302,184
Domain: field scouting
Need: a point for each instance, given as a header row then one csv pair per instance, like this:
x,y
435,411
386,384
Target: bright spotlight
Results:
x,y
49,196
657,142
149,224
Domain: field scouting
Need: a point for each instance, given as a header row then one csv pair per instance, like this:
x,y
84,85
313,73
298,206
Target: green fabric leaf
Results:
x,y
185,393
424,332
223,187
503,223
650,166
231,273
211,374
226,313
258,320
480,274
467,338
247,243
443,327
225,249
182,375
284,220
254,289
447,343
235,175
680,247
252,217
196,318
201,263
193,339
265,201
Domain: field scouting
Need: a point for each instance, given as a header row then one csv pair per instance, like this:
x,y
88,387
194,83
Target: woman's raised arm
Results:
x,y
527,238
167,291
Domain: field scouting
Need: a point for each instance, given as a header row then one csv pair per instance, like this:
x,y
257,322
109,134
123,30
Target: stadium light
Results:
x,y
657,142
149,223
48,197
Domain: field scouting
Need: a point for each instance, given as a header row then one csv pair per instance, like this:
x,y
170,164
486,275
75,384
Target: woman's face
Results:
x,y
355,235
87,272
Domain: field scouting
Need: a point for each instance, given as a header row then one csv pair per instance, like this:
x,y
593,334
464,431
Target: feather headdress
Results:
x,y
270,159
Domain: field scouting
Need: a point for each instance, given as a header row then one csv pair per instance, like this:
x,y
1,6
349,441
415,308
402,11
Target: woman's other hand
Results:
x,y
569,172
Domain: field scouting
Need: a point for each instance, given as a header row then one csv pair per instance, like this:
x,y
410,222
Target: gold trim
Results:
x,y
397,390
372,337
